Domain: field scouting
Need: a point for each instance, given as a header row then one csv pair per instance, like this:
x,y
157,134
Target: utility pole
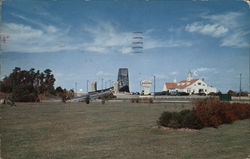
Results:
x,y
75,93
102,83
240,85
154,86
87,86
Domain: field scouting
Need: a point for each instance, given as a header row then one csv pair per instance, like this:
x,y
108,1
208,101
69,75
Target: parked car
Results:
x,y
162,93
213,94
201,94
179,94
183,94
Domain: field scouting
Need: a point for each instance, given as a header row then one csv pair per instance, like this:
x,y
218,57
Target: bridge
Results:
x,y
92,95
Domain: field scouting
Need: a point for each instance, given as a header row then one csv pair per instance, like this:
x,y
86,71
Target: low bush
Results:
x,y
183,119
207,113
142,100
87,99
213,112
190,120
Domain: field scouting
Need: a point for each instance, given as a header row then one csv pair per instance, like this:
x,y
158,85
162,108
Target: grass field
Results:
x,y
114,130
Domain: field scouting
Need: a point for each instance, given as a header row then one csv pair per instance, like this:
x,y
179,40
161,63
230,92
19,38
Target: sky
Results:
x,y
82,40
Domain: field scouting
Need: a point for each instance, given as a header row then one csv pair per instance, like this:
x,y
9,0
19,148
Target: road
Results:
x,y
92,96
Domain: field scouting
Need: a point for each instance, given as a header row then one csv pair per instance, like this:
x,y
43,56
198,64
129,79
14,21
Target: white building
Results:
x,y
191,86
93,86
116,87
146,84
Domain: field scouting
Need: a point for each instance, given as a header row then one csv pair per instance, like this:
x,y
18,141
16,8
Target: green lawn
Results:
x,y
114,130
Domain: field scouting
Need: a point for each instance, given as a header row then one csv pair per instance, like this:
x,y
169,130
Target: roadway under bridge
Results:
x,y
92,95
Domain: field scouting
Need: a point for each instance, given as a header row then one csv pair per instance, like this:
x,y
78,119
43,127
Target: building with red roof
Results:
x,y
190,85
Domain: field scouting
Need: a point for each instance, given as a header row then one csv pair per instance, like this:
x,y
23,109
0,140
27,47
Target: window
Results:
x,y
205,90
203,84
199,83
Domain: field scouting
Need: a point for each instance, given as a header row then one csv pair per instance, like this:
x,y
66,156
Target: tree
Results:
x,y
27,85
49,81
232,93
59,90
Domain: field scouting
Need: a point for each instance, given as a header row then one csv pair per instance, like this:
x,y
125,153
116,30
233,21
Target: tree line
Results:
x,y
27,85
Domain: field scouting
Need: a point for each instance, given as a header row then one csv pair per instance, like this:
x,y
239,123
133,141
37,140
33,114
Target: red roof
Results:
x,y
181,84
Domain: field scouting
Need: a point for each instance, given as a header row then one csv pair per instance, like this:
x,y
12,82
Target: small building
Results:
x,y
146,84
190,85
93,86
116,87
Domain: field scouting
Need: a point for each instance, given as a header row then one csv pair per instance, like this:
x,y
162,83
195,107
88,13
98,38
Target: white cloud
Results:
x,y
197,71
106,39
95,49
228,27
228,19
47,28
36,37
173,73
102,73
126,50
237,40
214,30
105,35
24,38
155,43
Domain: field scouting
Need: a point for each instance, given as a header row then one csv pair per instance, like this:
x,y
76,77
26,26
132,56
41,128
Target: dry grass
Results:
x,y
114,130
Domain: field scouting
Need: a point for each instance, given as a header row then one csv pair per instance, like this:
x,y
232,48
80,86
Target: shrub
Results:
x,y
165,118
183,119
175,121
207,113
142,100
87,99
212,112
190,120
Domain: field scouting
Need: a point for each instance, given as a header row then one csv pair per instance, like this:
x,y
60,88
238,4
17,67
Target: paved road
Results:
x,y
94,95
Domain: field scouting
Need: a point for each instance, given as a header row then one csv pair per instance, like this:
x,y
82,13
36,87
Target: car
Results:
x,y
178,94
162,93
174,93
201,94
183,94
